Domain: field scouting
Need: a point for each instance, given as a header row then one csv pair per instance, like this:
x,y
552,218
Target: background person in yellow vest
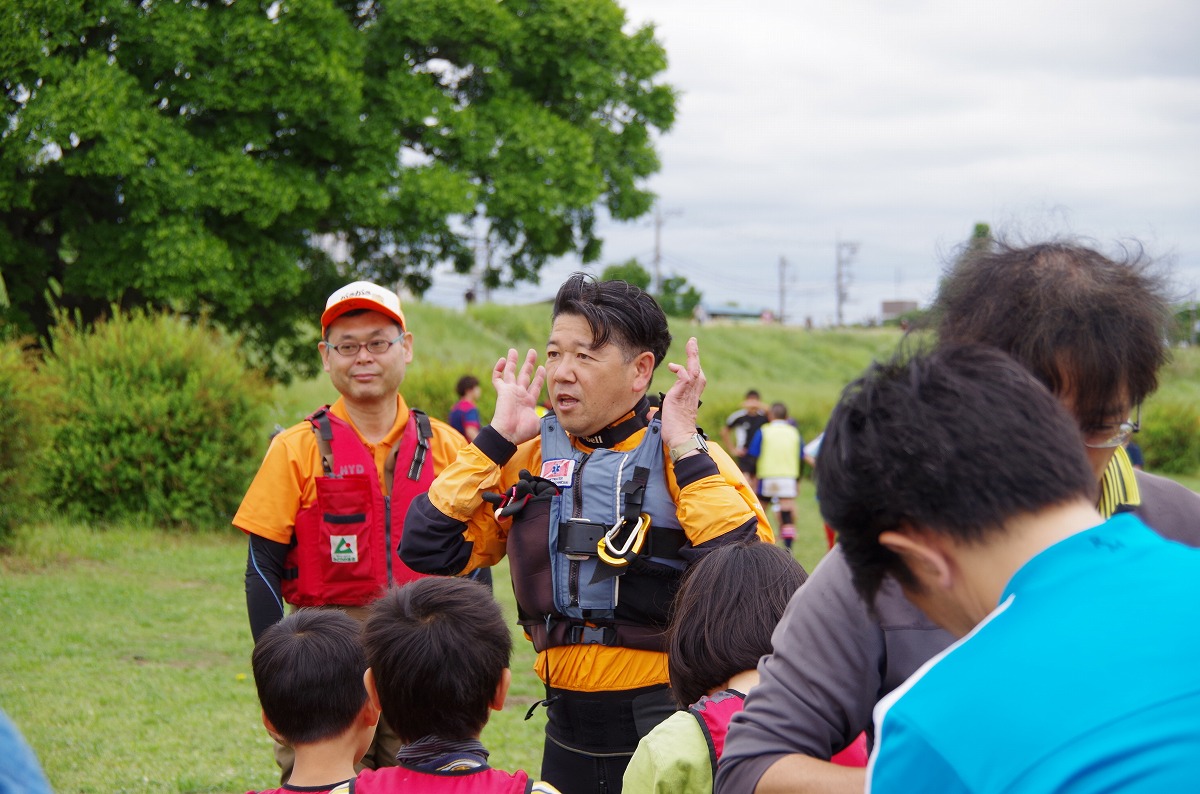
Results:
x,y
778,448
324,517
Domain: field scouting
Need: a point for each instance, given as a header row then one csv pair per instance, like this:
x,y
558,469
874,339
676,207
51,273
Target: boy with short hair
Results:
x,y
438,651
309,669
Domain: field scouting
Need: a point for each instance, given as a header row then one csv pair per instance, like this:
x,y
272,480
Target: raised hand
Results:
x,y
517,393
682,400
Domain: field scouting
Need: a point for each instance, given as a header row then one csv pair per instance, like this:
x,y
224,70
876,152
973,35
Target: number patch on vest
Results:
x,y
343,548
559,471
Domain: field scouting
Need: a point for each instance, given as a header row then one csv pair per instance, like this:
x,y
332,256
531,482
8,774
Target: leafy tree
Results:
x,y
631,271
678,298
242,159
980,240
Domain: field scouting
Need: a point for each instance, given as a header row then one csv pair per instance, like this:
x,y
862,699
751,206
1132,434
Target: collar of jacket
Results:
x,y
622,429
1118,487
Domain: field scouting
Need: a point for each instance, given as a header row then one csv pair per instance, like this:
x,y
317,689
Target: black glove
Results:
x,y
515,498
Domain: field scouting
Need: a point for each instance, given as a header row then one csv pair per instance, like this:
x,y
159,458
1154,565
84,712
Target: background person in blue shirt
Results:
x,y
464,416
955,473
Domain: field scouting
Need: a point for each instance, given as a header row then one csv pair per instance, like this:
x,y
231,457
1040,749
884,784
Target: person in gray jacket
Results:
x,y
1091,329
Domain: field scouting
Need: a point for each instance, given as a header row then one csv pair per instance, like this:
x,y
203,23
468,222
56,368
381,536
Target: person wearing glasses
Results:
x,y
1091,330
1076,667
325,511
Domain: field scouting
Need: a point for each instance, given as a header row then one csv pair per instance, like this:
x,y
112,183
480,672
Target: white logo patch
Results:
x,y
559,471
343,548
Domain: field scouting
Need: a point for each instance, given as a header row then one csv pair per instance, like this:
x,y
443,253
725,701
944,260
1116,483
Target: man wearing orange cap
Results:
x,y
325,511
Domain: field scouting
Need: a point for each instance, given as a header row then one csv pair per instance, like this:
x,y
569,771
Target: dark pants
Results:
x,y
590,736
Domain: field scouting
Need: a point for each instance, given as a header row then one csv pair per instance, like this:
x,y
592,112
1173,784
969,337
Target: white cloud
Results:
x,y
899,125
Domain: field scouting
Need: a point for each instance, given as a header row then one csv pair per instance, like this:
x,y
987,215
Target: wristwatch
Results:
x,y
694,441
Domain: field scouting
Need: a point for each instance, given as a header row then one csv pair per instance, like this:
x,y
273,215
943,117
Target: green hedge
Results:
x,y
24,435
1170,437
160,421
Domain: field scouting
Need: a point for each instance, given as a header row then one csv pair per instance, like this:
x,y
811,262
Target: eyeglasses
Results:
x,y
376,346
1108,437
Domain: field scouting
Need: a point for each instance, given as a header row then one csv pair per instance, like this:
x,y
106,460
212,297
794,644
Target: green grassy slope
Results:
x,y
804,369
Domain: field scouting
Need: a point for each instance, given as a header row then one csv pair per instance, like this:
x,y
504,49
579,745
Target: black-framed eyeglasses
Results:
x,y
1109,437
375,347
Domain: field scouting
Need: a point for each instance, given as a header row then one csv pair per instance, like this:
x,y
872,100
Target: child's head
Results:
x,y
725,613
309,668
438,649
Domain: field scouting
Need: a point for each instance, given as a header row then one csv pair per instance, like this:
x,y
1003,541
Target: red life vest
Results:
x,y
713,714
475,781
345,547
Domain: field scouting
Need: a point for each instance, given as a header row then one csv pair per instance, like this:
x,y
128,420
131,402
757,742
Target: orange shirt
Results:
x,y
286,481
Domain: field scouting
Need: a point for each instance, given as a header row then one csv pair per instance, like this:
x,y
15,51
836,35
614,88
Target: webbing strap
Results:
x,y
324,433
424,433
635,493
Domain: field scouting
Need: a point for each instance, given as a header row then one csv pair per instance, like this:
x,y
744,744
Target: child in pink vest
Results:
x,y
721,624
309,669
438,652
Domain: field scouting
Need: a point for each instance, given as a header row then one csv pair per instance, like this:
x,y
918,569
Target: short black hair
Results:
x,y
956,441
308,669
724,614
1073,316
465,384
438,648
618,312
778,411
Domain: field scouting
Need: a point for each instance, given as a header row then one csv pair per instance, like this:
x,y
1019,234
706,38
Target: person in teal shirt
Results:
x,y
961,477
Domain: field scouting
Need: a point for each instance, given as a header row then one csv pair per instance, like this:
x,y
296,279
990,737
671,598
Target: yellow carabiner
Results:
x,y
619,557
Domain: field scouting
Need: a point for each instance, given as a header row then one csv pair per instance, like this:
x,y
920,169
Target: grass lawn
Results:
x,y
127,660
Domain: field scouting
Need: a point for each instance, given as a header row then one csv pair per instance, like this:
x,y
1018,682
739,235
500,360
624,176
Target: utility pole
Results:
x,y
483,263
844,252
1194,324
660,218
782,286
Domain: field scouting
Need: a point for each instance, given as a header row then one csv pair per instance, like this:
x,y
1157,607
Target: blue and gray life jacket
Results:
x,y
567,590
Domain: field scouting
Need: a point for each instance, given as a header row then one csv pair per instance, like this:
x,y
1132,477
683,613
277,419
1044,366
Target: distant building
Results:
x,y
891,310
734,314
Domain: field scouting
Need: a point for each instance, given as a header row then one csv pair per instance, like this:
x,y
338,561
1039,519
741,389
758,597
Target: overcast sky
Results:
x,y
898,126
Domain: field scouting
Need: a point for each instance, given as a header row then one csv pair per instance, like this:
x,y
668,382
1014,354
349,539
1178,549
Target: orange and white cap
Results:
x,y
362,295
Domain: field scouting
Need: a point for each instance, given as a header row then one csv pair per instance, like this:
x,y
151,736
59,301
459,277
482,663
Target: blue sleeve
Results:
x,y
20,772
755,448
904,761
